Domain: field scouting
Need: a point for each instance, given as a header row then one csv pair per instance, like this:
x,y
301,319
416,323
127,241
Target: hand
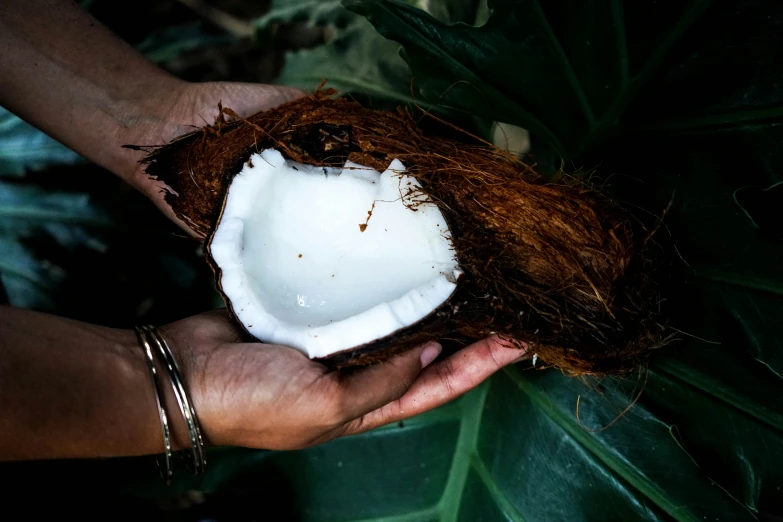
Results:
x,y
185,108
273,397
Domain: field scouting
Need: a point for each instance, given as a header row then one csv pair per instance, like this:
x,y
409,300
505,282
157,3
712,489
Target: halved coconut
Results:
x,y
328,259
352,264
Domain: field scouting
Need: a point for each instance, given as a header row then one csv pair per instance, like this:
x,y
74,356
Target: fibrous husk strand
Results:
x,y
553,264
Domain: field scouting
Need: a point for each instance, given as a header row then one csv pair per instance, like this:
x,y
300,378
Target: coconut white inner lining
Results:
x,y
298,269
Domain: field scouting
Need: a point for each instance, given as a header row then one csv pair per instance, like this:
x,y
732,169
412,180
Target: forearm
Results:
x,y
72,78
72,390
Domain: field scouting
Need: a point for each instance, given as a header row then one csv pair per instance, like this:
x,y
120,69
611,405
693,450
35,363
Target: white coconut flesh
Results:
x,y
327,259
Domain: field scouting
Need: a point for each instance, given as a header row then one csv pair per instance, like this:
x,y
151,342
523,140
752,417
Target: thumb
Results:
x,y
375,386
247,99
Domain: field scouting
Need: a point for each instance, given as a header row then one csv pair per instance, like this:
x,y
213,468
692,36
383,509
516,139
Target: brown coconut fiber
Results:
x,y
552,264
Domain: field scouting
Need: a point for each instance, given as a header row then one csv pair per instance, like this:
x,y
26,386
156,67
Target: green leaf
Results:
x,y
577,73
101,254
25,281
27,212
331,12
470,68
169,43
26,208
356,60
23,147
761,206
514,450
312,12
632,470
743,455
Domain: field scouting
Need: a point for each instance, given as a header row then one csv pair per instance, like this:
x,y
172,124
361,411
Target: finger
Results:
x,y
372,387
444,382
249,98
216,326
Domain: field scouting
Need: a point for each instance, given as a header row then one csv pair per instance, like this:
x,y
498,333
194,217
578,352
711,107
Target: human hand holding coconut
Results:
x,y
74,390
72,78
274,397
70,390
182,108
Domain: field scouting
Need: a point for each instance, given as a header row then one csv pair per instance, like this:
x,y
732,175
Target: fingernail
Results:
x,y
429,354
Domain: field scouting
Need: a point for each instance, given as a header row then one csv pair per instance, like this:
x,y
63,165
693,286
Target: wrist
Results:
x,y
145,118
153,121
192,373
137,364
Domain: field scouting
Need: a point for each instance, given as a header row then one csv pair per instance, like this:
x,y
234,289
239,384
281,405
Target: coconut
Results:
x,y
302,264
351,234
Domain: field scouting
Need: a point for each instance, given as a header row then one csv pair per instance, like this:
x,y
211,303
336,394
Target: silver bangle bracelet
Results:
x,y
166,471
183,399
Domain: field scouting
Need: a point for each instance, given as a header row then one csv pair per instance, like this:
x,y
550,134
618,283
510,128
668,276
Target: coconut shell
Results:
x,y
553,264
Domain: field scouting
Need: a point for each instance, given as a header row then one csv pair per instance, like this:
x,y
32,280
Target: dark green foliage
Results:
x,y
675,102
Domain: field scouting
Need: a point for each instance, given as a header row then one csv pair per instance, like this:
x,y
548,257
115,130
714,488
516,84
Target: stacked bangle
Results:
x,y
167,471
149,337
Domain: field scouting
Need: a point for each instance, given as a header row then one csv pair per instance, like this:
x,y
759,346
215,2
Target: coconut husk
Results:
x,y
552,264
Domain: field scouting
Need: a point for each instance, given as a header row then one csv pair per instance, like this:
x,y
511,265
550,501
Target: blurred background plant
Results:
x,y
666,102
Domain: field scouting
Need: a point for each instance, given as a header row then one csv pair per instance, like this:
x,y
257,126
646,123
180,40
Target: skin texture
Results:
x,y
274,397
70,389
69,76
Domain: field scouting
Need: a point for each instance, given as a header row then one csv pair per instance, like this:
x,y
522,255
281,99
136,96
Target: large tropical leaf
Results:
x,y
358,62
355,59
681,102
575,73
512,450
